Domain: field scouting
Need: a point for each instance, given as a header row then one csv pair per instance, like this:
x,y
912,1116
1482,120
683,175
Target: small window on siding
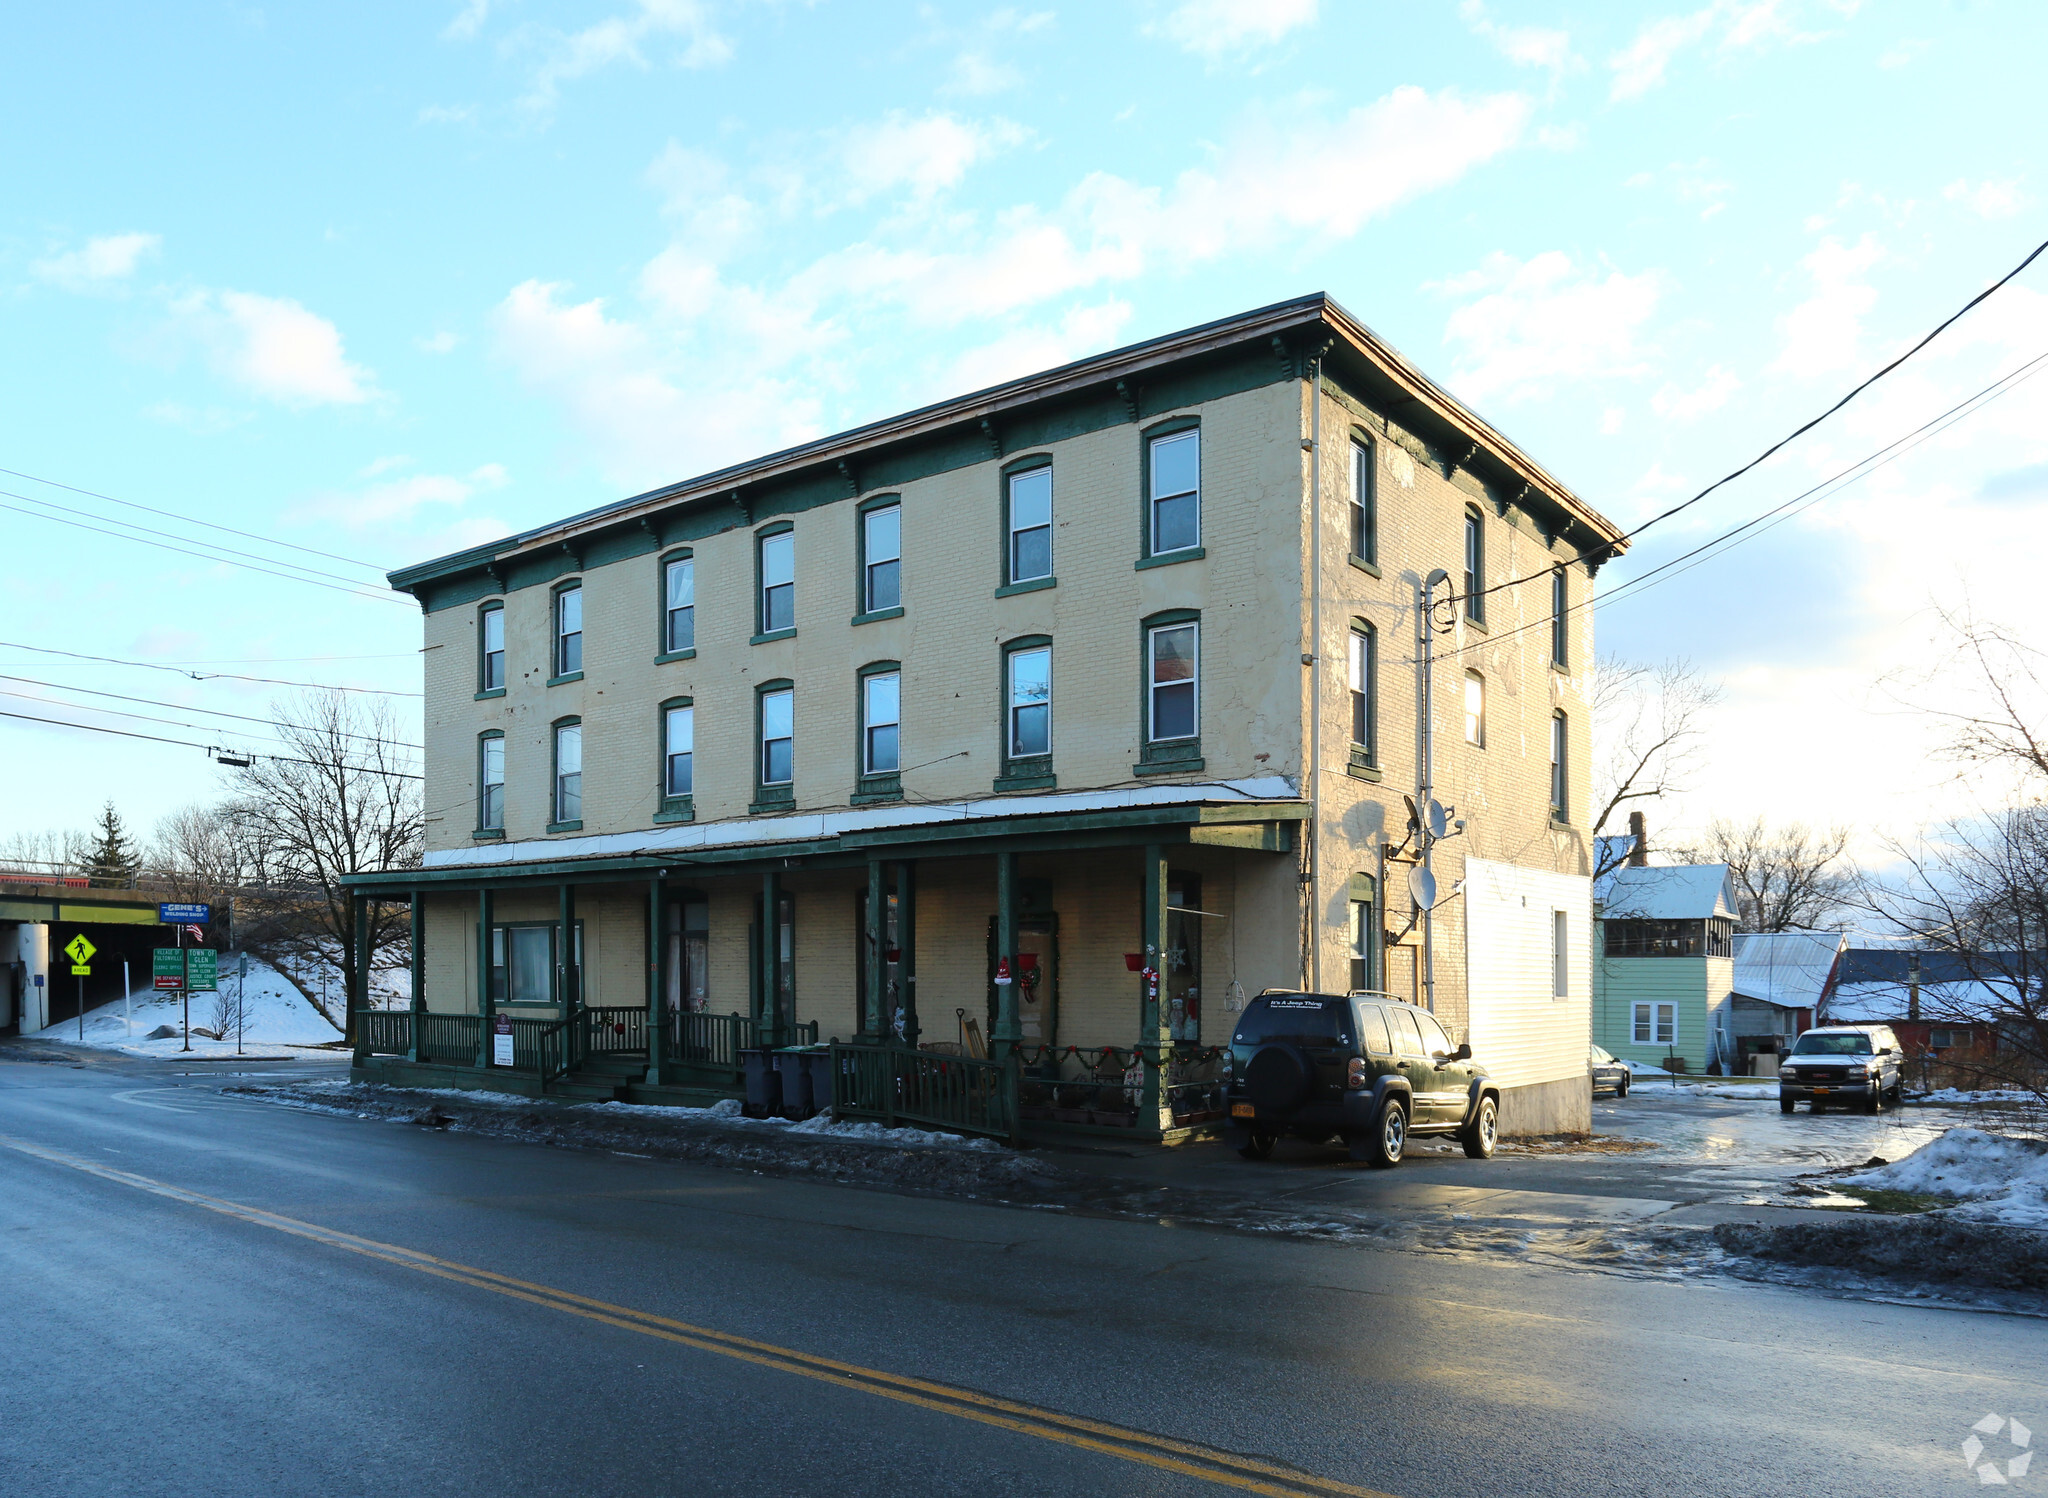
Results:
x,y
679,605
1475,709
1030,525
778,582
1655,1024
491,647
1176,502
1172,681
1560,955
881,711
679,751
490,809
1029,713
569,631
569,772
778,736
882,556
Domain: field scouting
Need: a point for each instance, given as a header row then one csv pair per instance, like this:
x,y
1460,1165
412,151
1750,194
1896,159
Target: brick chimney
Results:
x,y
1639,850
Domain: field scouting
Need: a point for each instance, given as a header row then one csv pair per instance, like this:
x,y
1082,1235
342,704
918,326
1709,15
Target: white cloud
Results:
x,y
1989,199
678,32
1612,419
924,155
1641,65
1544,320
1712,393
1080,332
1901,53
1217,28
103,259
1525,46
1824,332
447,114
273,347
468,21
442,342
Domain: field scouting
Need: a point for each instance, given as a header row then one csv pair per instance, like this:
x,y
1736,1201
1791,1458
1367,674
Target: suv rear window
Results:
x,y
1292,1021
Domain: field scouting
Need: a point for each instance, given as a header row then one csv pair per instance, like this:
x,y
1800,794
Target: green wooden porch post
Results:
x,y
768,1023
419,971
485,1009
1155,1037
656,951
1009,1031
874,1019
568,978
359,985
906,948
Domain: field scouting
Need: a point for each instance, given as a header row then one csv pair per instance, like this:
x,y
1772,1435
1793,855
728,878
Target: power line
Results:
x,y
1784,441
203,556
115,712
211,712
209,748
210,525
272,681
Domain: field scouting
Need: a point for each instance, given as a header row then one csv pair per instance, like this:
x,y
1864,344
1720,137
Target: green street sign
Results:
x,y
167,964
202,969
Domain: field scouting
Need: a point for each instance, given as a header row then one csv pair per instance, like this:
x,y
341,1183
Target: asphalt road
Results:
x,y
206,1295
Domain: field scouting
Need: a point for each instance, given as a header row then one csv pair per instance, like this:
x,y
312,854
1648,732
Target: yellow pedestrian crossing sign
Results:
x,y
80,952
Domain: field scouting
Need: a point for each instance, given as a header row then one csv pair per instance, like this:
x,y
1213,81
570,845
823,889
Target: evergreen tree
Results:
x,y
113,862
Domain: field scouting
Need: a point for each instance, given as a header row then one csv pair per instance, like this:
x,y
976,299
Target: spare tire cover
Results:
x,y
1278,1077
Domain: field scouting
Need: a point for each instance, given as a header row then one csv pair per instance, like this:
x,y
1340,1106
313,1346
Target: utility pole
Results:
x,y
185,991
1425,776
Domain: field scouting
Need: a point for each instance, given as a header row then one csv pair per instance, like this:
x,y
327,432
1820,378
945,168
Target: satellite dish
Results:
x,y
1438,819
1422,887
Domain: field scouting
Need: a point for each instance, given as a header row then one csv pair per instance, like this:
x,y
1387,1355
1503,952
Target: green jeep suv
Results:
x,y
1363,1068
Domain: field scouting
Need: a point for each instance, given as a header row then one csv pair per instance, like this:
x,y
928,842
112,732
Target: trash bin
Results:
x,y
793,1073
764,1086
818,1062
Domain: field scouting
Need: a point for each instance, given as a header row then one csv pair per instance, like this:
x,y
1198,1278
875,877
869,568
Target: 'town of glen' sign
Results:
x,y
184,915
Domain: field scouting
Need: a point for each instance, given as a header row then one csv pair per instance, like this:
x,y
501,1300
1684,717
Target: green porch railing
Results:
x,y
449,1039
557,1047
615,1031
893,1085
713,1042
383,1032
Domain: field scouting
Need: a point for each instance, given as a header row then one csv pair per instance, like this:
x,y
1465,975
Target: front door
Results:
x,y
1453,1079
1414,1060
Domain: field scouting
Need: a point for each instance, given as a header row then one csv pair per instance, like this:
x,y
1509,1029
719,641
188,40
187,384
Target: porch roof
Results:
x,y
1254,814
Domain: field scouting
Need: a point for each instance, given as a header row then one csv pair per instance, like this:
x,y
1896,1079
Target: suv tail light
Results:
x,y
1354,1073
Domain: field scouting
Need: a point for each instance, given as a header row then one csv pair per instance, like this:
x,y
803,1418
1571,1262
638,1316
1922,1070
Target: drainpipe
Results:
x,y
1313,659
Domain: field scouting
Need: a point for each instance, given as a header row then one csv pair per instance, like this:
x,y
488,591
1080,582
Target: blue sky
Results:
x,y
381,281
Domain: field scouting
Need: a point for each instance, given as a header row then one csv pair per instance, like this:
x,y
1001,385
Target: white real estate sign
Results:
x,y
1522,1031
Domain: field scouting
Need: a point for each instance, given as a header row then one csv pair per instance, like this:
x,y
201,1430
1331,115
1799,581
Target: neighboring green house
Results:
x,y
1664,964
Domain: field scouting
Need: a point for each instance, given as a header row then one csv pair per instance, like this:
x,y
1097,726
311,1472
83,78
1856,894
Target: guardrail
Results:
x,y
714,1041
895,1085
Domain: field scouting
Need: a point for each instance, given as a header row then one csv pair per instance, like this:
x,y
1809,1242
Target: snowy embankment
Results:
x,y
1990,1177
276,1020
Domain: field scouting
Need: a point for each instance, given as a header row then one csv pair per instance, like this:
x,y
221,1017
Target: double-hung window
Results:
x,y
490,802
1365,520
1365,933
1655,1024
1175,508
1475,565
1560,613
778,582
881,543
1560,744
1365,664
679,605
881,720
568,772
1475,709
1172,681
491,649
1030,540
778,736
1560,955
569,630
1030,702
678,751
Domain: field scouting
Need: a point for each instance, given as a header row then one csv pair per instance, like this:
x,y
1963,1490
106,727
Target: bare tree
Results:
x,y
1789,878
47,855
1648,731
201,853
345,800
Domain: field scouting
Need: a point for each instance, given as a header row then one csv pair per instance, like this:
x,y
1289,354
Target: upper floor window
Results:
x,y
679,604
1030,542
881,536
1029,713
1635,937
1365,691
778,582
569,630
568,772
1176,500
491,648
778,736
881,719
1475,709
490,800
1475,564
1560,610
1171,681
1560,744
679,750
1365,519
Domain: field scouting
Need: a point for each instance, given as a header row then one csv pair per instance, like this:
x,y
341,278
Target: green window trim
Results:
x,y
876,617
556,822
779,795
560,667
484,653
1146,437
763,535
678,655
488,834
1169,558
554,966
575,826
663,560
1006,582
673,808
563,681
874,787
1369,568
773,635
1472,574
1362,682
1036,584
485,696
1176,755
484,825
1030,772
1363,541
862,614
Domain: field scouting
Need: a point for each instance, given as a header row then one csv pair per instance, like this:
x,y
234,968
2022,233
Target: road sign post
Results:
x,y
80,951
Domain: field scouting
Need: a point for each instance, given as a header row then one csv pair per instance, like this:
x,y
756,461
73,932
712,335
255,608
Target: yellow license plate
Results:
x,y
1243,1110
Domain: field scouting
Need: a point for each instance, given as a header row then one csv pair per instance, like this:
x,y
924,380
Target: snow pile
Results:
x,y
1995,1177
1964,1095
727,1110
276,1022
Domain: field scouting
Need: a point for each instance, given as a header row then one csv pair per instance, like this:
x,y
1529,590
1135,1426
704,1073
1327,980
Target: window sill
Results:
x,y
1027,775
1560,824
1029,585
1472,622
489,692
1189,765
576,826
1560,668
1364,566
565,678
1358,769
875,617
1168,558
873,790
769,799
774,634
489,834
677,809
676,655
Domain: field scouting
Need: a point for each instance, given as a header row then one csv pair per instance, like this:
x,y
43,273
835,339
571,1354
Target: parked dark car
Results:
x,y
1369,1071
1608,1074
1854,1065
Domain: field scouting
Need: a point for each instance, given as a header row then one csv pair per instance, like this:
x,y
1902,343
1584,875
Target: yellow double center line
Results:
x,y
1185,1457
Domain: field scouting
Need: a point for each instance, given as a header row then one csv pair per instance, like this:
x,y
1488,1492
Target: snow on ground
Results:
x,y
1996,1178
278,1021
727,1110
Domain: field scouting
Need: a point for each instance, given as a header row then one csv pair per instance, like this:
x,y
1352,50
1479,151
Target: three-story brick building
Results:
x,y
1106,673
